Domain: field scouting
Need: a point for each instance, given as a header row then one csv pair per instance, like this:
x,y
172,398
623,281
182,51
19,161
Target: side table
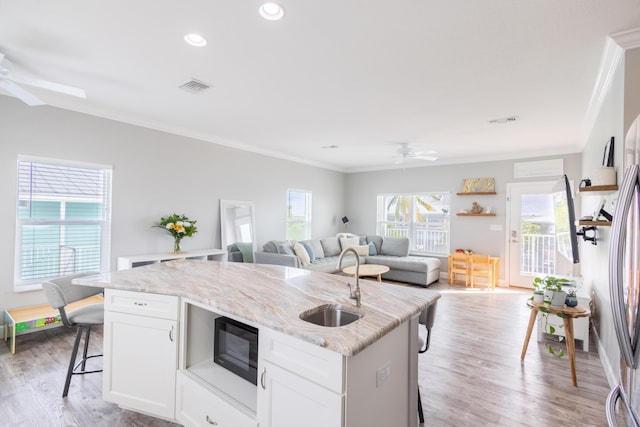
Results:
x,y
569,313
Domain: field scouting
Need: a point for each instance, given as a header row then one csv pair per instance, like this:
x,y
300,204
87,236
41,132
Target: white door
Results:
x,y
531,232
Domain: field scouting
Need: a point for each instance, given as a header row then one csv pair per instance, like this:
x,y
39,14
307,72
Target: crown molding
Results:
x,y
628,39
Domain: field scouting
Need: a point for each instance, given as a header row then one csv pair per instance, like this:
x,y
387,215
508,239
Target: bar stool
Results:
x,y
427,318
60,292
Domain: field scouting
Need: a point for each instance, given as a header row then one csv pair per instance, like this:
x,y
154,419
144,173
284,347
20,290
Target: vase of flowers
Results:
x,y
179,226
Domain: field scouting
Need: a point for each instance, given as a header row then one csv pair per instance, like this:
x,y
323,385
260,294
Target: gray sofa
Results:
x,y
392,252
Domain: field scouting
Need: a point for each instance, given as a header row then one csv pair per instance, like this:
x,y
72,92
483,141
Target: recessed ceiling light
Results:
x,y
195,40
271,11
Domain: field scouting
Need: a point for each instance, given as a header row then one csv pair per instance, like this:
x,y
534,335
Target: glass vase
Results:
x,y
176,245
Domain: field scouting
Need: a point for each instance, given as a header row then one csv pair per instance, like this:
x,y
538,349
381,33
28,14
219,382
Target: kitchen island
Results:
x,y
159,346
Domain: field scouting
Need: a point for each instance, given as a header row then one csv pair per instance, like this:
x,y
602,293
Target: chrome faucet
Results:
x,y
353,294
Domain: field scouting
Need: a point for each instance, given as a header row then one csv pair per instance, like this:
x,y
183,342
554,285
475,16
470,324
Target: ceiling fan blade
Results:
x,y
44,84
430,158
20,93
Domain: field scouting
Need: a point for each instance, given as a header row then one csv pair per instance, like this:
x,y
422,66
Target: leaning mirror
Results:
x,y
237,224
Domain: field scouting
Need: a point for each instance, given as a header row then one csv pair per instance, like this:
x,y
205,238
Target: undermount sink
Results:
x,y
330,315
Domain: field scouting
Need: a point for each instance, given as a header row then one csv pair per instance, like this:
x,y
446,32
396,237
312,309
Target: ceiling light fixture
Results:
x,y
271,11
195,40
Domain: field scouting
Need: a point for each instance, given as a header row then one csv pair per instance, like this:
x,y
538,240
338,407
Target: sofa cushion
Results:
x,y
316,246
377,240
309,249
395,246
302,254
330,246
408,263
363,250
285,248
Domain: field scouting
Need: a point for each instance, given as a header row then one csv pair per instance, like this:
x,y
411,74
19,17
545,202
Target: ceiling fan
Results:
x,y
11,83
405,152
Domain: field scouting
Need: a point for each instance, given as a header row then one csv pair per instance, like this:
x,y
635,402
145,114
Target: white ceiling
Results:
x,y
362,75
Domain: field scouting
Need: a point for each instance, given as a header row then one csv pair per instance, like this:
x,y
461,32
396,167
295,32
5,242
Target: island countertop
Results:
x,y
274,296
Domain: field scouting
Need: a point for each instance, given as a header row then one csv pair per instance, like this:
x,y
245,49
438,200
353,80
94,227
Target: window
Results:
x,y
298,215
62,221
423,218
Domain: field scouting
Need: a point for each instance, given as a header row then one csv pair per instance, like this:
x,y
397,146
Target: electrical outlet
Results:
x,y
382,374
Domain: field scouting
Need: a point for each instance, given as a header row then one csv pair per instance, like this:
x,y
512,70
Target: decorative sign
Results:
x,y
479,185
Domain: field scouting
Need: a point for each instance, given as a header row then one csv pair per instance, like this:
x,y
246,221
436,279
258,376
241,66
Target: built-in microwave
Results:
x,y
235,347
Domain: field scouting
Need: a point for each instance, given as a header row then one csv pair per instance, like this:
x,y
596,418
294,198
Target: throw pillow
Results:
x,y
372,249
285,248
302,254
363,250
345,242
309,249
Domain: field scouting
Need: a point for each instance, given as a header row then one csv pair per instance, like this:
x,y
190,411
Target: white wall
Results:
x,y
466,232
620,106
156,174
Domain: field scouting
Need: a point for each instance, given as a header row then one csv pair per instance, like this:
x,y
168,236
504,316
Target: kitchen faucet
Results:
x,y
352,294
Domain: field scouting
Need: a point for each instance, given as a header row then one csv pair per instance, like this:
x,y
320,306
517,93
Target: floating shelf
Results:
x,y
473,214
595,223
478,193
593,188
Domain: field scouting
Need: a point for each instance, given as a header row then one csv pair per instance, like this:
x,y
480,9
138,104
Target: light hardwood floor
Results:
x,y
471,375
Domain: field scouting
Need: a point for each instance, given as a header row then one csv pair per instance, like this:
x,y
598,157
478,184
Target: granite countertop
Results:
x,y
274,296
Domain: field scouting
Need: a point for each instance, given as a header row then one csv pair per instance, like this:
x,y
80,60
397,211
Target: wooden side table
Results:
x,y
366,270
569,313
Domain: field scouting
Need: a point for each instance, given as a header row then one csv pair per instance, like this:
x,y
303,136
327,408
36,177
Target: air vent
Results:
x,y
195,86
504,120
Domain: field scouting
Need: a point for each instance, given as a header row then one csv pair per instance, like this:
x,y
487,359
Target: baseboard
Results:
x,y
612,377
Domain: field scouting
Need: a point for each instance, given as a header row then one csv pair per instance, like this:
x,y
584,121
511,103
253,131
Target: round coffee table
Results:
x,y
367,270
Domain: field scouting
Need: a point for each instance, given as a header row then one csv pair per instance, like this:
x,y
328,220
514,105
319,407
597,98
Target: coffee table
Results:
x,y
367,270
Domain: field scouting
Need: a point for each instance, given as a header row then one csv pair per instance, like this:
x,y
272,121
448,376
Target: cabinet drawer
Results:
x,y
141,303
317,364
197,405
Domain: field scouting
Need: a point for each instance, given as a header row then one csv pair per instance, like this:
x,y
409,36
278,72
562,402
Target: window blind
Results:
x,y
298,215
62,220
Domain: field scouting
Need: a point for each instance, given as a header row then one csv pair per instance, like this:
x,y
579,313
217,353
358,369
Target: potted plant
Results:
x,y
538,292
553,289
572,299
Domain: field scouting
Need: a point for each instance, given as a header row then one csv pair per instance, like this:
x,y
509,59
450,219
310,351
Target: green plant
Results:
x,y
551,329
550,283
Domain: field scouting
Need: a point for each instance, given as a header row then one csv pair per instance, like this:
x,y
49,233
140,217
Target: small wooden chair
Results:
x,y
459,265
481,266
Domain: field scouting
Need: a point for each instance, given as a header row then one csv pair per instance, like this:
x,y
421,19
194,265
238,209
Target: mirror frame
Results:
x,y
224,206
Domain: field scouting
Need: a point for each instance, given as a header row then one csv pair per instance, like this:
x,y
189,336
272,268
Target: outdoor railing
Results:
x,y
537,254
53,260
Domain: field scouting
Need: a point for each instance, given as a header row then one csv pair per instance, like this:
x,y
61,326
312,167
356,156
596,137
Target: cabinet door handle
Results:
x,y
171,334
210,421
140,304
262,375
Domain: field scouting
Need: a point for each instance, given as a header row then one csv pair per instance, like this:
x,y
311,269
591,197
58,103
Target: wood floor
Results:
x,y
471,375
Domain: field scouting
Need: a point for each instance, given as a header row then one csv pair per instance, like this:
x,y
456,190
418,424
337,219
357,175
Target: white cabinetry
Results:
x,y
140,351
208,394
300,383
127,262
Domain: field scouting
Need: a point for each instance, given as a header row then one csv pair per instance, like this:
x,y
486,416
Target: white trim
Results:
x,y
61,162
628,39
611,59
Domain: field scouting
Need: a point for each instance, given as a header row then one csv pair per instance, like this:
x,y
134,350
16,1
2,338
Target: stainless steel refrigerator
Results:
x,y
623,403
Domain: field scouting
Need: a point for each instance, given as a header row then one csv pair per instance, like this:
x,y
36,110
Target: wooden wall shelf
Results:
x,y
595,223
593,188
474,214
478,193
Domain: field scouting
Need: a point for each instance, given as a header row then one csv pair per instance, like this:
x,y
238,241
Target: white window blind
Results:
x,y
298,215
62,220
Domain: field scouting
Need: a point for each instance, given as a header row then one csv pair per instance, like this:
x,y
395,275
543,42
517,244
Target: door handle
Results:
x,y
262,379
171,333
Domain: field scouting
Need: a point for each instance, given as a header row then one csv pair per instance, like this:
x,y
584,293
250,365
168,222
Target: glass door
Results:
x,y
531,232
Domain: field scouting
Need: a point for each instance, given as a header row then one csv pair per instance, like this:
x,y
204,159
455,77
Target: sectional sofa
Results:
x,y
322,255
